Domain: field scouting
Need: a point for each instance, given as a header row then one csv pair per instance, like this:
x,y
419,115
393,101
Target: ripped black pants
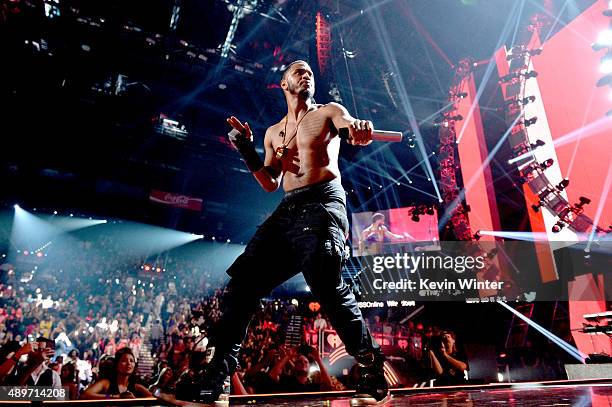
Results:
x,y
306,233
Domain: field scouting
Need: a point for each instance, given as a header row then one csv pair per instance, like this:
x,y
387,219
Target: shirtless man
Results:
x,y
306,233
374,237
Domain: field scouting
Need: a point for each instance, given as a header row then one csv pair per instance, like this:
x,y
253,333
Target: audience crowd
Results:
x,y
87,315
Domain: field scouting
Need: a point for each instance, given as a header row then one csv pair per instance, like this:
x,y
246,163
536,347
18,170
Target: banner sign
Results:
x,y
176,200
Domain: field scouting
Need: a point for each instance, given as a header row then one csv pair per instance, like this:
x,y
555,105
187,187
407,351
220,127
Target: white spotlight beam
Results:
x,y
70,224
525,236
572,351
476,175
391,61
30,231
488,72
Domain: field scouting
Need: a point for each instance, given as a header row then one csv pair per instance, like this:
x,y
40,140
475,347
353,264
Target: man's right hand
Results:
x,y
244,145
244,129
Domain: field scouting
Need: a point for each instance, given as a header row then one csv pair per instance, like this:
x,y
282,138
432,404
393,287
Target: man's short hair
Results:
x,y
297,61
377,216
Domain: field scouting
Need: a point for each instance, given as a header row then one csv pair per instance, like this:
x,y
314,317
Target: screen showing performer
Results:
x,y
393,230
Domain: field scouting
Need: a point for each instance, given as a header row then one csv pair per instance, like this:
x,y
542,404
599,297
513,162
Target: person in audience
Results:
x,y
292,371
447,363
12,352
164,383
122,384
69,378
36,371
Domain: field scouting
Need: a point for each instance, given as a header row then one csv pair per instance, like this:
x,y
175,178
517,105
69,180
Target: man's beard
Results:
x,y
305,94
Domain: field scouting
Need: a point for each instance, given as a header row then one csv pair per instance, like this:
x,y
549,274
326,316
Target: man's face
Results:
x,y
299,80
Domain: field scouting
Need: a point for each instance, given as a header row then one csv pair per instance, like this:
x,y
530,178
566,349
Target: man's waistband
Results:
x,y
328,189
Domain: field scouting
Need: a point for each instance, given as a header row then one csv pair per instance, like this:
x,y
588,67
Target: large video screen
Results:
x,y
411,228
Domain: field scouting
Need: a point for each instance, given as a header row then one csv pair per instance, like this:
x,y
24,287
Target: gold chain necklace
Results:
x,y
281,151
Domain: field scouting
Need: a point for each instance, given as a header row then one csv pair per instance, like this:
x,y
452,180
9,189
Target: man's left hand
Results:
x,y
360,132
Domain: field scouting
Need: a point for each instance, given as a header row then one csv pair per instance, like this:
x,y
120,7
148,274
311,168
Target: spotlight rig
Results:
x,y
419,210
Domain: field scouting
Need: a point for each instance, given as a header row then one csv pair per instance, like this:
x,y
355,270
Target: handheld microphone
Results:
x,y
377,135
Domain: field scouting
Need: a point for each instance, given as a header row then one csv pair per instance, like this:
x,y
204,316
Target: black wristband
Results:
x,y
246,148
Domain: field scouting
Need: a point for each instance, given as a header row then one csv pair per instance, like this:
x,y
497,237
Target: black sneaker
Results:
x,y
206,389
214,392
372,388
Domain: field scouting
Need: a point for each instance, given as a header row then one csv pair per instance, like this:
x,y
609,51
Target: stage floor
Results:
x,y
518,396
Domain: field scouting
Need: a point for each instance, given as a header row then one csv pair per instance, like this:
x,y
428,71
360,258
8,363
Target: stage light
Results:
x,y
558,226
515,75
462,95
598,47
563,184
536,207
538,143
429,210
604,80
16,206
228,241
535,51
606,63
529,122
71,215
583,201
543,194
546,164
604,38
55,212
456,118
528,99
477,235
415,218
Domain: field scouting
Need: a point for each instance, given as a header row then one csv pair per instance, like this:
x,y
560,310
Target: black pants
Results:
x,y
306,234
